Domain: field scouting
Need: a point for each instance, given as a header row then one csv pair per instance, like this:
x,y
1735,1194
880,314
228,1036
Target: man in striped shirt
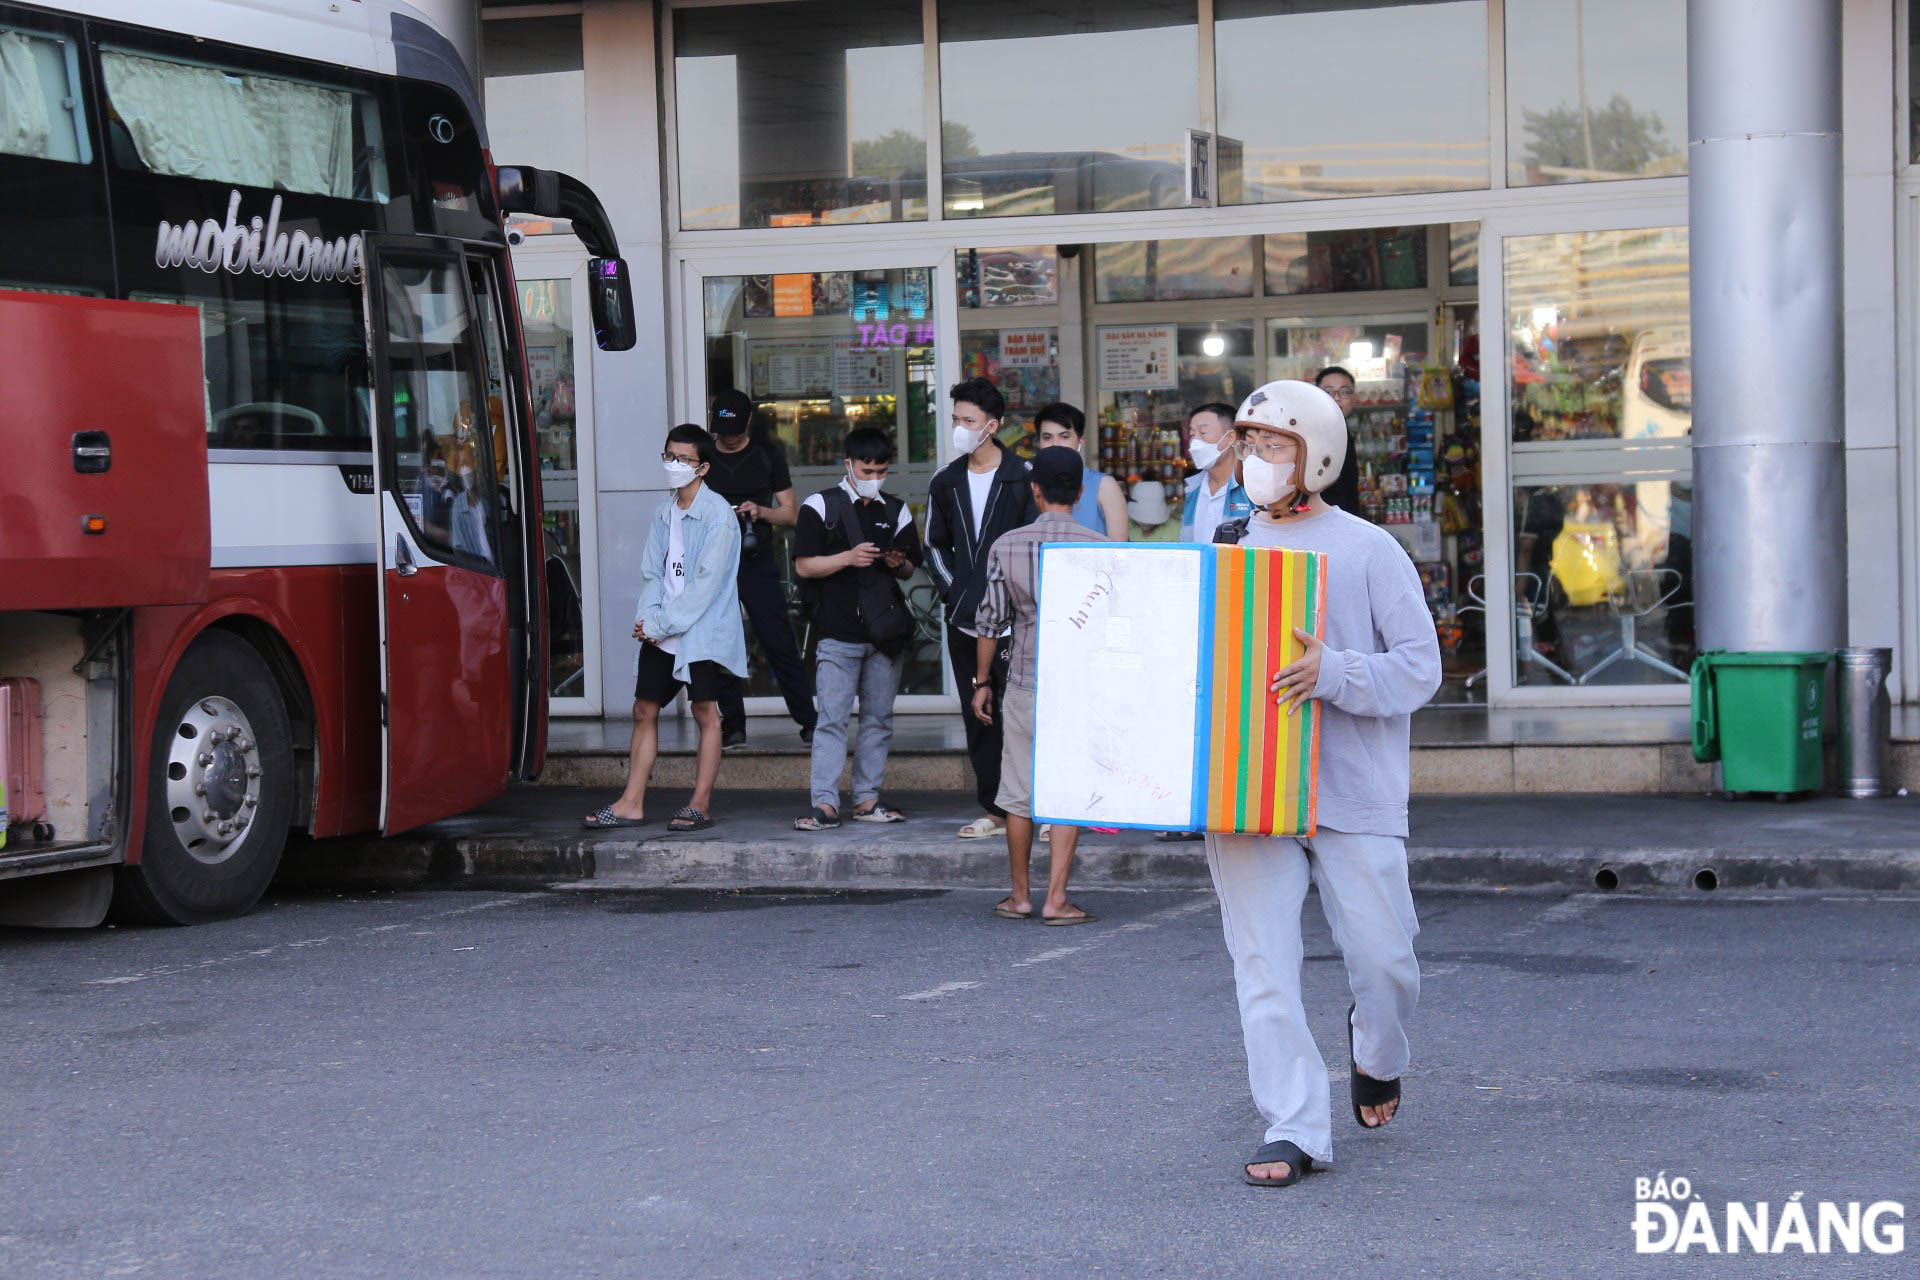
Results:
x,y
1012,599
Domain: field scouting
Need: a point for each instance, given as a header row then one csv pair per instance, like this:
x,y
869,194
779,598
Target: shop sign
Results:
x,y
1137,357
790,370
1026,348
860,370
793,295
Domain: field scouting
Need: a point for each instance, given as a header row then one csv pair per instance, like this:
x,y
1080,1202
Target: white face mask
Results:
x,y
1203,453
867,489
1266,482
966,440
679,474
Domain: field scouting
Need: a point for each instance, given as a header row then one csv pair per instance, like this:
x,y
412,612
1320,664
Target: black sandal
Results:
x,y
689,819
1364,1090
1274,1153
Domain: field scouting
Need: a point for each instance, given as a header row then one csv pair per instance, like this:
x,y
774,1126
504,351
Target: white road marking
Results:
x,y
941,990
232,957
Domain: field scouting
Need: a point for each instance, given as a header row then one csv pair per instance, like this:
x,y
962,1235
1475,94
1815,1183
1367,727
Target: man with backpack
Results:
x,y
852,545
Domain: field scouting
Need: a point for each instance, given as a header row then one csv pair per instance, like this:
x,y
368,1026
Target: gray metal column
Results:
x,y
1769,465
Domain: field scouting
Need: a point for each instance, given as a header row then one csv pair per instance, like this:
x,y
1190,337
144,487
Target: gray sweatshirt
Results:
x,y
1380,664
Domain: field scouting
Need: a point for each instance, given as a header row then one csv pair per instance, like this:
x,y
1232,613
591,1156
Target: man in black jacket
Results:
x,y
981,494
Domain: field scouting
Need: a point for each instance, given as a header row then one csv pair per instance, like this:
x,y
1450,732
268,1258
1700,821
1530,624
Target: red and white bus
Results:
x,y
269,507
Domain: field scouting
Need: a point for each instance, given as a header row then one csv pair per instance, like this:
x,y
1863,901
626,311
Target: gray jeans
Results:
x,y
841,671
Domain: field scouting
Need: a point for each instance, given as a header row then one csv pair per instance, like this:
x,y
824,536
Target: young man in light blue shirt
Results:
x,y
688,626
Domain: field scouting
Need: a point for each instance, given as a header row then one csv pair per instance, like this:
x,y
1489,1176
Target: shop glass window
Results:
x,y
1148,377
820,354
1022,276
1913,80
800,113
191,120
1321,98
1595,90
1025,365
1598,326
40,112
1354,261
1601,384
1066,106
1174,270
537,99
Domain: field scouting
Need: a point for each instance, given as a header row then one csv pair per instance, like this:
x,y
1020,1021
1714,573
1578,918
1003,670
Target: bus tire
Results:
x,y
219,790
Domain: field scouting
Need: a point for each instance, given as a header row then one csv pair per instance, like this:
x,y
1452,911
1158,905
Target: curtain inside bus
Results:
x,y
203,122
33,90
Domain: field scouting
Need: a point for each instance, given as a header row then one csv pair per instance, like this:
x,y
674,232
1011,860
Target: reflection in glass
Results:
x,y
537,99
1604,583
1354,261
1598,324
1339,98
546,317
1463,254
1034,119
1596,89
800,113
860,358
1143,428
1172,270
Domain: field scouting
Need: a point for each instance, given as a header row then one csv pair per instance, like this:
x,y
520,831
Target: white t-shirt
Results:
x,y
979,485
1209,508
676,580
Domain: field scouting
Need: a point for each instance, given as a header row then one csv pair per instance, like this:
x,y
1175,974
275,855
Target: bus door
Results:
x,y
452,589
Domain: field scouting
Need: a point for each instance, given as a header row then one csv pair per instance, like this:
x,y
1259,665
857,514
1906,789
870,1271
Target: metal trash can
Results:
x,y
1866,721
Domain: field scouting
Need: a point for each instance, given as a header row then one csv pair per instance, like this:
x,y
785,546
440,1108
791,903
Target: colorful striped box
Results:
x,y
1152,707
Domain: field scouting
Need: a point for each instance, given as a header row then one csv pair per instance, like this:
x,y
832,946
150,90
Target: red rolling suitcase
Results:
x,y
21,756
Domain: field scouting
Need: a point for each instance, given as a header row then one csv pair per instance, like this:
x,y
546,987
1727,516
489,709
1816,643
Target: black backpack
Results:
x,y
882,606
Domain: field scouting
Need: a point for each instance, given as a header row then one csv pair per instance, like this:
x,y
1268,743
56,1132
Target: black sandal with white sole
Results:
x,y
1364,1090
1279,1152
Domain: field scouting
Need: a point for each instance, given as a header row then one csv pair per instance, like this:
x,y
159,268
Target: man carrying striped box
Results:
x,y
1379,661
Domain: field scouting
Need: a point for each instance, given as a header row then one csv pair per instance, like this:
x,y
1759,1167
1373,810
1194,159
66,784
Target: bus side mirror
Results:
x,y
610,297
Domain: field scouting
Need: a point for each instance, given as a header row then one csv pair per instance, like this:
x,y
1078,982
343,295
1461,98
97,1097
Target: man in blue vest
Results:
x,y
1214,496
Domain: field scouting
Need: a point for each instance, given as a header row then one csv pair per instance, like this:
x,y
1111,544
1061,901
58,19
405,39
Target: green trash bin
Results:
x,y
1759,715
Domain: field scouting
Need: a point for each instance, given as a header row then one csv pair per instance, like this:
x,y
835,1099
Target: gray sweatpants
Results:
x,y
841,672
1262,884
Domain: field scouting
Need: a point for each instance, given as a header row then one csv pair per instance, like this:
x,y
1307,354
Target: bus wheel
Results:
x,y
219,790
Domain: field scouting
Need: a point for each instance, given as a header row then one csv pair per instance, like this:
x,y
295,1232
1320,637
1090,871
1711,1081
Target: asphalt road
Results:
x,y
585,1083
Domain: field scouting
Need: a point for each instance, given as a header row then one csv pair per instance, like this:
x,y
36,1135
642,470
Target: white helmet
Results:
x,y
1306,412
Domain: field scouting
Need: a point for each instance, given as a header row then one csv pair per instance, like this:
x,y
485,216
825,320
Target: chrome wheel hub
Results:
x,y
213,779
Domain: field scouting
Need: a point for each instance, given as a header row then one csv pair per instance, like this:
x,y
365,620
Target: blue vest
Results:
x,y
1087,510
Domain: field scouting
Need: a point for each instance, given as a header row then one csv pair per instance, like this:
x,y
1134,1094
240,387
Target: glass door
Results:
x,y
820,352
551,285
1595,397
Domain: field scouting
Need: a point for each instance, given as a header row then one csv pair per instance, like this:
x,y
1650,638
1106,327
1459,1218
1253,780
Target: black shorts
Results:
x,y
655,682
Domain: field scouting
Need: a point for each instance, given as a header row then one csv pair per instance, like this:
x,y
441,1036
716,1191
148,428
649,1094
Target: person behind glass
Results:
x,y
1214,495
853,545
688,626
1379,661
1101,506
971,501
1344,492
1149,519
752,476
1011,600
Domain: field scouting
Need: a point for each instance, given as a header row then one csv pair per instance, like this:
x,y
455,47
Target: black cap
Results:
x,y
731,413
1056,463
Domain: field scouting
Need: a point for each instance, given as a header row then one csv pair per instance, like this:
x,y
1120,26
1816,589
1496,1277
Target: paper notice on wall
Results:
x,y
793,295
1137,357
1115,712
1026,348
860,370
791,370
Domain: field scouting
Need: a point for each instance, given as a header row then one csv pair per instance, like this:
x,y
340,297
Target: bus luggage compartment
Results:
x,y
103,491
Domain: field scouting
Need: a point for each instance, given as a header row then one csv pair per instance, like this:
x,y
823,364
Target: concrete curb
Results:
x,y
501,861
